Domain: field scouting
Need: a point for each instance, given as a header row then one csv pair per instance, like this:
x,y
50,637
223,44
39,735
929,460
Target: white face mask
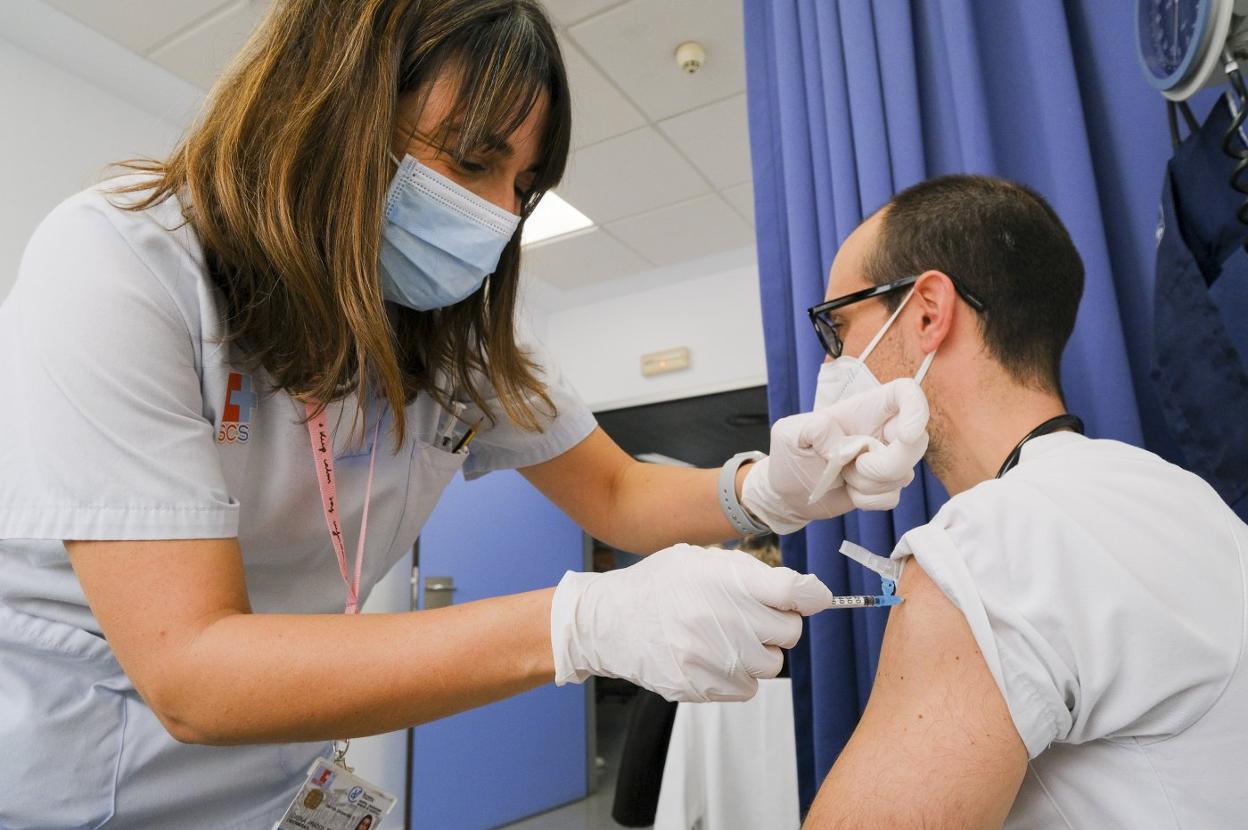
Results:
x,y
847,376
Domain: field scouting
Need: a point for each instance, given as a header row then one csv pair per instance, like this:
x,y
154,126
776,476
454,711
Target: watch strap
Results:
x,y
738,516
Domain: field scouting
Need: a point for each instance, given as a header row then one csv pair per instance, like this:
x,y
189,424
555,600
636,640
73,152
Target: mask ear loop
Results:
x,y
391,191
879,335
927,361
924,366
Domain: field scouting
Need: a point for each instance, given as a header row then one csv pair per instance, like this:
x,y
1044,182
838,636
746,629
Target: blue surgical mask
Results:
x,y
439,241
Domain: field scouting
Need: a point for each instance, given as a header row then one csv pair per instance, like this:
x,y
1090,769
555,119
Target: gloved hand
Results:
x,y
689,623
857,453
875,470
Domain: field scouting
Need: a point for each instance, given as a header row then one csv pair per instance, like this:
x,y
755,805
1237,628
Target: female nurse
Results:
x,y
236,382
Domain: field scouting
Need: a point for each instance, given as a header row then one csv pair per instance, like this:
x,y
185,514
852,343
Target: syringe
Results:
x,y
864,601
889,571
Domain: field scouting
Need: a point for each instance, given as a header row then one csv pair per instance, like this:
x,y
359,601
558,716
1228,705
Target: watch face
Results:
x,y
1170,35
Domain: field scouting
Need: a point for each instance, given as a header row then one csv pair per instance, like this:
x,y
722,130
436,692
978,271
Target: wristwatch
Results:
x,y
740,518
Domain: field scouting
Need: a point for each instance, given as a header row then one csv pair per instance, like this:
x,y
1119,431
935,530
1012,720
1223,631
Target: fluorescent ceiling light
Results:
x,y
553,217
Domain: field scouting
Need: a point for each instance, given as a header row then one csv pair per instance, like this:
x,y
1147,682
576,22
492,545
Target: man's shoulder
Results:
x,y
1112,523
1081,479
1066,571
1084,509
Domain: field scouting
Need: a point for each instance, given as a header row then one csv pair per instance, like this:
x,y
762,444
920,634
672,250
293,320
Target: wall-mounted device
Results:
x,y
1187,45
668,360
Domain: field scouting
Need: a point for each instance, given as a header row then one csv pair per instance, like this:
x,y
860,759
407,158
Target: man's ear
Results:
x,y
937,302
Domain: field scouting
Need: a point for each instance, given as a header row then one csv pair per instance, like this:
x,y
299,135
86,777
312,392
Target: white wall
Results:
x,y
599,344
57,135
58,132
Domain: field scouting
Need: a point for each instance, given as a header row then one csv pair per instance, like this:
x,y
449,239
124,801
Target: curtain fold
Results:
x,y
851,101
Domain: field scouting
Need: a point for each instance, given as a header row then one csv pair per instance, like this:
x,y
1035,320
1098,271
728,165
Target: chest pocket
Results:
x,y
432,471
433,462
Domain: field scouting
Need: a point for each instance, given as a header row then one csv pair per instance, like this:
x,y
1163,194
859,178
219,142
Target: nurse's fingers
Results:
x,y
850,448
819,430
785,589
905,402
876,501
875,486
779,628
889,462
742,689
767,663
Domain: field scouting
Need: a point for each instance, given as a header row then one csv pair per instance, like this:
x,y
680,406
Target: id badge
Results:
x,y
332,798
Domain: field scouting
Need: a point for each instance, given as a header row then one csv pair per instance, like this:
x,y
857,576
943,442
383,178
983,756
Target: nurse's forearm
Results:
x,y
630,505
177,617
658,506
256,678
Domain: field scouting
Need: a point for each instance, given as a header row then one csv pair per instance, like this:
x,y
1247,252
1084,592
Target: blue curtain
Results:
x,y
851,101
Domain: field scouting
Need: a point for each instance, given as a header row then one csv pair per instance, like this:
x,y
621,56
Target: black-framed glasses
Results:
x,y
825,329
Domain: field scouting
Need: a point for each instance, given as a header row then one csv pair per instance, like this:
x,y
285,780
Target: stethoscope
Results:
x,y
1066,421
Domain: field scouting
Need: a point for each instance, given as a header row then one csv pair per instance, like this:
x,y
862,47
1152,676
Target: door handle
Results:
x,y
438,591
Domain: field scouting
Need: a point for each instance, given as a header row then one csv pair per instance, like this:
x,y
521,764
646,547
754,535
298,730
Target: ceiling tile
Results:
x,y
716,138
581,259
635,44
686,231
200,54
629,174
138,24
599,111
567,12
741,198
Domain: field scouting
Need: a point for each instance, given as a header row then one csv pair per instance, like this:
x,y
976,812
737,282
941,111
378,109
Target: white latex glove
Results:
x,y
894,411
895,417
814,470
689,623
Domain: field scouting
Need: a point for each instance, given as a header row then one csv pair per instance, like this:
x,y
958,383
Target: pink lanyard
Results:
x,y
322,454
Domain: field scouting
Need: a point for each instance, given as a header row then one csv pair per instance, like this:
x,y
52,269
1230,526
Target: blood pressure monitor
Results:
x,y
1181,43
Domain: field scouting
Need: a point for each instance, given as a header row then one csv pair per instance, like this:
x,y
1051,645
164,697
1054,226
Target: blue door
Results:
x,y
521,756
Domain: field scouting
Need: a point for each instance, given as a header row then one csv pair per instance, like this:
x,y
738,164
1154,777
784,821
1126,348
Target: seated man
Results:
x,y
1070,649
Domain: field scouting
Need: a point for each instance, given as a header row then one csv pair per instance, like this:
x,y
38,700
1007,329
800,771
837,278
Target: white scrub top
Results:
x,y
124,417
1106,590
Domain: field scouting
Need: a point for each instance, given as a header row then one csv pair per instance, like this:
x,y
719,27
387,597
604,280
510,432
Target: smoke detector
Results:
x,y
690,56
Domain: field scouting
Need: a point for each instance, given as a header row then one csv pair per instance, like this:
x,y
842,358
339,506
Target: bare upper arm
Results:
x,y
936,746
152,598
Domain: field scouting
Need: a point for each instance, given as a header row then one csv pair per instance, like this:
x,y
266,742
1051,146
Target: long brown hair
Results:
x,y
284,179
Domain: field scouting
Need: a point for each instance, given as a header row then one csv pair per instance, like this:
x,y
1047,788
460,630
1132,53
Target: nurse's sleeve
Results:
x,y
105,436
505,446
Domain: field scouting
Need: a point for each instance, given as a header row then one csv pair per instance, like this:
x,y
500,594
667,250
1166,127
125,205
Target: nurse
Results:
x,y
236,382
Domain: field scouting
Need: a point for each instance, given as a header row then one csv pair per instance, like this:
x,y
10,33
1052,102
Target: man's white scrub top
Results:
x,y
1106,590
124,417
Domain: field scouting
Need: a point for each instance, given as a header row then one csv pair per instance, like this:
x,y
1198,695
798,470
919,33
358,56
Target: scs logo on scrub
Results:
x,y
236,414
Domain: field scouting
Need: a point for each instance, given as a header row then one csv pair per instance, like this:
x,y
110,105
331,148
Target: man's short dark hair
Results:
x,y
1002,242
